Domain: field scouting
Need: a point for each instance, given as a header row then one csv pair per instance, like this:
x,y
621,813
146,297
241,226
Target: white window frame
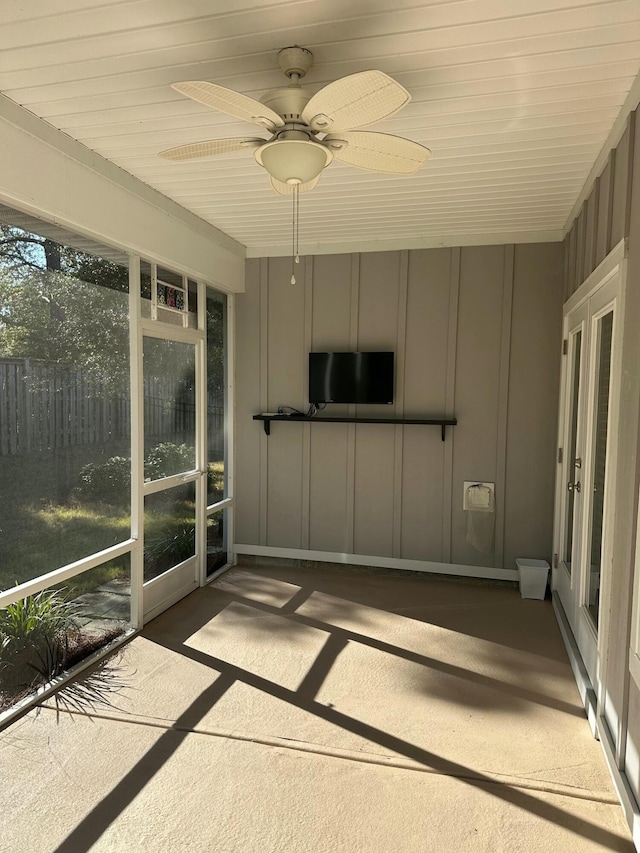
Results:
x,y
227,503
134,545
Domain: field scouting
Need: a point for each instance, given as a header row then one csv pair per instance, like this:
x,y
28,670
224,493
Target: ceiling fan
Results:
x,y
309,131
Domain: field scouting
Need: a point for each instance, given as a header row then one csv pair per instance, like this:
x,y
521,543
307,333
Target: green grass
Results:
x,y
36,540
215,481
40,535
88,581
48,538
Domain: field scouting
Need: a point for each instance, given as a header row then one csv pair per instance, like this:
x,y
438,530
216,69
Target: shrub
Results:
x,y
108,482
163,551
40,638
167,458
34,635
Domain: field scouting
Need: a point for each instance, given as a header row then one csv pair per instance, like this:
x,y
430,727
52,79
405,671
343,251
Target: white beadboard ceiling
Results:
x,y
514,97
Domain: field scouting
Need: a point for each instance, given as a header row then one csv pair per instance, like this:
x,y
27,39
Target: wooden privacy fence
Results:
x,y
46,407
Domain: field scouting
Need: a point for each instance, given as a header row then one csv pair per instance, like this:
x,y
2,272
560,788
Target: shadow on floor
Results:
x,y
287,595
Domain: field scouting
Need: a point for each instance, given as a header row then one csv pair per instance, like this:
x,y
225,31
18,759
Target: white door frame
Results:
x,y
590,639
602,291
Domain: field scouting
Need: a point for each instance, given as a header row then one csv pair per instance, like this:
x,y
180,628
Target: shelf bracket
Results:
x,y
443,428
267,427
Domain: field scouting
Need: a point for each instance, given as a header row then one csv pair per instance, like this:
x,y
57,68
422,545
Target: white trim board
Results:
x,y
455,569
500,238
79,190
605,269
51,136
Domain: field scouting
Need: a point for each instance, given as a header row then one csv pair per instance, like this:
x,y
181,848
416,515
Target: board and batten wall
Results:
x,y
476,332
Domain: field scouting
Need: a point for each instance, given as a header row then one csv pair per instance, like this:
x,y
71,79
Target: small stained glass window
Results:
x,y
169,296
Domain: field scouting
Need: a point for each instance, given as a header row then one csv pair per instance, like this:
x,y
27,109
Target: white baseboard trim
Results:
x,y
620,781
585,687
456,569
598,724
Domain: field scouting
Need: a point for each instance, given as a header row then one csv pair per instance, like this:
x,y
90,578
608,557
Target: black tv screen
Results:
x,y
351,377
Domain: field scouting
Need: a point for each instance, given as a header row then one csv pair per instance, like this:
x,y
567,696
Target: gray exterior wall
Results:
x,y
476,332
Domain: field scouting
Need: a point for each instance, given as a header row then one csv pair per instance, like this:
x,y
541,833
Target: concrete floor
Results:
x,y
323,711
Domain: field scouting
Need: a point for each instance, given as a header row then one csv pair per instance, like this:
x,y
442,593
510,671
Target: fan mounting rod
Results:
x,y
295,61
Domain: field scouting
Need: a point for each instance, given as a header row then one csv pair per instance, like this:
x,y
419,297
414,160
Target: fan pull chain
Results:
x,y
295,239
297,195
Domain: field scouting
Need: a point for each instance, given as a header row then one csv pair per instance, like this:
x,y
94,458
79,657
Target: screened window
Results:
x,y
64,399
216,396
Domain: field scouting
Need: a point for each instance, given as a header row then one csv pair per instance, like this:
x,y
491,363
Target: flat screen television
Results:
x,y
351,377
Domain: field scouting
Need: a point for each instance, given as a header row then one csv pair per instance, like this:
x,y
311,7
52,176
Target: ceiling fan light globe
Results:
x,y
292,161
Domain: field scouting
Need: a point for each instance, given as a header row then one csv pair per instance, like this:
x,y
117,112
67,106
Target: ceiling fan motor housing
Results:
x,y
288,102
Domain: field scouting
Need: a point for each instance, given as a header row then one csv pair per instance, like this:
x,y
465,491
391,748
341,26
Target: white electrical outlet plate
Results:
x,y
478,496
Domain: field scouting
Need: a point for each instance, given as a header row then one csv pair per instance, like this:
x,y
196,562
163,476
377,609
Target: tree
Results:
x,y
215,347
62,305
66,306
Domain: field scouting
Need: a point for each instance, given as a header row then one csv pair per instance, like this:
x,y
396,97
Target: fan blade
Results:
x,y
288,189
355,101
196,150
378,152
230,102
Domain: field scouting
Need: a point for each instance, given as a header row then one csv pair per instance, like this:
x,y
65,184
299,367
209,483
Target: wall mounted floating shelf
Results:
x,y
267,420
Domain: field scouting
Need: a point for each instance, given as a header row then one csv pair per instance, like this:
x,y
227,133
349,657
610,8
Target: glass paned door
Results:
x,y
171,473
573,462
571,495
597,510
602,382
